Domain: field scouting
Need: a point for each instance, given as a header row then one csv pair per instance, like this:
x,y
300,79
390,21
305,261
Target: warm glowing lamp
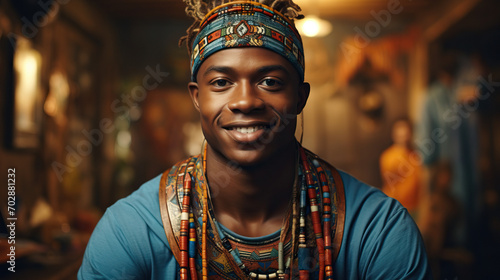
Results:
x,y
313,26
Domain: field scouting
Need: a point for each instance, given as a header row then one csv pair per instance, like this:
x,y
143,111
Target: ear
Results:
x,y
194,93
304,90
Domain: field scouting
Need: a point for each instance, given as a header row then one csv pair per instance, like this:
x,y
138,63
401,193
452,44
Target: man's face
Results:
x,y
248,99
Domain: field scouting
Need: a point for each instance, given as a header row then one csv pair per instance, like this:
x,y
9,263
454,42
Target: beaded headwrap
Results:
x,y
247,24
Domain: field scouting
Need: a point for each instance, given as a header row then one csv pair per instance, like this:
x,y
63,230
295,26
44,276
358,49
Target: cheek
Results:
x,y
210,114
286,107
209,106
289,102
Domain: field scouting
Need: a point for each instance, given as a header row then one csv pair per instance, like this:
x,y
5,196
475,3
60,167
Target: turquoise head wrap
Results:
x,y
247,24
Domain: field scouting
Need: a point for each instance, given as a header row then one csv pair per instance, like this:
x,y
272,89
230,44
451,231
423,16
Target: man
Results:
x,y
447,141
254,204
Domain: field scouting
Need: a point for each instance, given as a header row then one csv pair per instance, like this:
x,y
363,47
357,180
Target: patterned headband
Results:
x,y
247,24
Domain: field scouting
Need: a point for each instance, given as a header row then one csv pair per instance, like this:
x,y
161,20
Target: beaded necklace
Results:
x,y
282,265
316,193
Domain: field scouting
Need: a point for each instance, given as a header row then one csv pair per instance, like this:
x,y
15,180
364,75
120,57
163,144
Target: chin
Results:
x,y
251,154
247,158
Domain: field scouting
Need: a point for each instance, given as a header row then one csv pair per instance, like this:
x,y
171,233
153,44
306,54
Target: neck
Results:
x,y
252,200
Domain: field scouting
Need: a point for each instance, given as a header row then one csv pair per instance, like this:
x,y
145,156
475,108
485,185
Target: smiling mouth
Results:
x,y
245,134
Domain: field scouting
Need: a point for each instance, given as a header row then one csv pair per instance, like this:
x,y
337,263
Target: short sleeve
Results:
x,y
129,241
380,240
111,252
396,252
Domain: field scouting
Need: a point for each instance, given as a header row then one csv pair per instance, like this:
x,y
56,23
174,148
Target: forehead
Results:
x,y
247,59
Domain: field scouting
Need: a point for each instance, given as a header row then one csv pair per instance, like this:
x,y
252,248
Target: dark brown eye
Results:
x,y
269,82
220,83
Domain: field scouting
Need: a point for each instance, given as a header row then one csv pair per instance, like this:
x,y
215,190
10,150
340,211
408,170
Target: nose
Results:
x,y
245,99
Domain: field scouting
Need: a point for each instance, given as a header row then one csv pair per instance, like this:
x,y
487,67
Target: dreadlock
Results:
x,y
199,8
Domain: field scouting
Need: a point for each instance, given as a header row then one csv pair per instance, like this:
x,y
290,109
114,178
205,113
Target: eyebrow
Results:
x,y
228,70
219,69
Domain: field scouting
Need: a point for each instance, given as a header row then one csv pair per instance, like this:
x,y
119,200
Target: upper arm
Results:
x,y
396,251
380,240
111,252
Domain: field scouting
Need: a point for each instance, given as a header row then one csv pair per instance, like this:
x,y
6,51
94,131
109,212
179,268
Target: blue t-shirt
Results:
x,y
381,240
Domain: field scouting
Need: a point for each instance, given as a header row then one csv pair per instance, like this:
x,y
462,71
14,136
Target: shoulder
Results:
x,y
381,240
143,201
135,213
141,198
127,237
389,153
366,204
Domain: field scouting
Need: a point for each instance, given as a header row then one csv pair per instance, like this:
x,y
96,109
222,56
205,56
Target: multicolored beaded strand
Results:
x,y
204,262
323,233
327,221
302,251
294,223
315,214
184,232
192,247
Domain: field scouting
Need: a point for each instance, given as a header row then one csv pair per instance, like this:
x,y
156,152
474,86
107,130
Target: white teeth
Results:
x,y
248,129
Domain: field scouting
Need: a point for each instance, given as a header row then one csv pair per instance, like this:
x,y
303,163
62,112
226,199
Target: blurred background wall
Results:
x,y
94,103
